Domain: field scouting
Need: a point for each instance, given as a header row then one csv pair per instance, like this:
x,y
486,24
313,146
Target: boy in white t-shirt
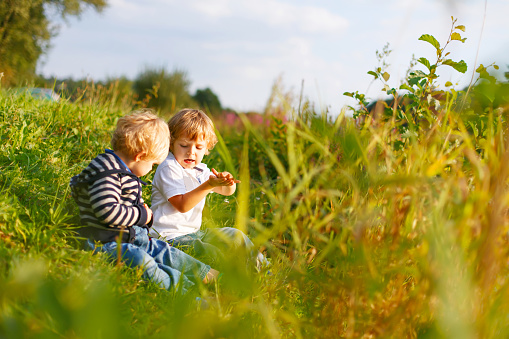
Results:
x,y
181,184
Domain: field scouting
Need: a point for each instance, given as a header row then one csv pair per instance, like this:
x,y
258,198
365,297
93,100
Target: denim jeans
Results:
x,y
162,264
213,244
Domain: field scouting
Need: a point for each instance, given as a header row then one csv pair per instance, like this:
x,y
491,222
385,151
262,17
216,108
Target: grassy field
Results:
x,y
388,226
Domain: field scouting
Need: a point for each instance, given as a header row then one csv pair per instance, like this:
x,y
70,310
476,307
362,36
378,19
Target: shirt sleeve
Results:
x,y
171,181
106,202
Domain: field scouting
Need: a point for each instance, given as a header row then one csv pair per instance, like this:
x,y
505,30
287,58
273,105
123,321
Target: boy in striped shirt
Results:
x,y
108,194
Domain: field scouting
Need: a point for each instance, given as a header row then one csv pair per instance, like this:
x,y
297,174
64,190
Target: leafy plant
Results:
x,y
418,102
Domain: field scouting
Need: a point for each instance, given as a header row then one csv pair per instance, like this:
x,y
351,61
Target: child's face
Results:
x,y
189,153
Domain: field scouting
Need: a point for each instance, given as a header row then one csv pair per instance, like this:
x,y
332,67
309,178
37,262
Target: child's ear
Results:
x,y
139,156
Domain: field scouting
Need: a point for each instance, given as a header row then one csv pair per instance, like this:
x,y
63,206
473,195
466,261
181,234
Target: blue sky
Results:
x,y
239,48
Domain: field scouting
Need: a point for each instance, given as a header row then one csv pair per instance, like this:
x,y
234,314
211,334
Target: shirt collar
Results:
x,y
109,151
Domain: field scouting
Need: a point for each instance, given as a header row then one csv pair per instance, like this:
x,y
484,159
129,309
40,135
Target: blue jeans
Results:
x,y
212,244
162,264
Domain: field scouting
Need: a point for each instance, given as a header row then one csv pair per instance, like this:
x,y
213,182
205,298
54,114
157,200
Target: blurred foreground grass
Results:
x,y
367,238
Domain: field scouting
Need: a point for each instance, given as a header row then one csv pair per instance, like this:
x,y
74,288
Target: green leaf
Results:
x,y
460,27
348,94
495,67
373,74
481,68
425,62
485,75
392,91
414,77
448,84
460,66
456,36
431,39
386,76
408,88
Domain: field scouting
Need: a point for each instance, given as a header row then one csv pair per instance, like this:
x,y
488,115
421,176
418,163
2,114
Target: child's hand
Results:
x,y
149,213
222,179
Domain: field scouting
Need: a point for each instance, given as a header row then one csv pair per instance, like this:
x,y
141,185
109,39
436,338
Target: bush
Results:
x,y
167,92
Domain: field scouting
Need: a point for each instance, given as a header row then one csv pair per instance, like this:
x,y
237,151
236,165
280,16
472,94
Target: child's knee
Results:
x,y
134,256
238,238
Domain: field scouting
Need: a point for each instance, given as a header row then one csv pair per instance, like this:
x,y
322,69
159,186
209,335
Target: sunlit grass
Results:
x,y
366,238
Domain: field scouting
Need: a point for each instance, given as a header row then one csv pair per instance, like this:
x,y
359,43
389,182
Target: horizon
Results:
x,y
301,43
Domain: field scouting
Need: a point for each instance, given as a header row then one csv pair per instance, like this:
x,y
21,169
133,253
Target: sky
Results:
x,y
239,48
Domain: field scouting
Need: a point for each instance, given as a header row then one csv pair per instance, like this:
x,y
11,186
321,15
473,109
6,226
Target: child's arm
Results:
x,y
105,196
217,182
149,213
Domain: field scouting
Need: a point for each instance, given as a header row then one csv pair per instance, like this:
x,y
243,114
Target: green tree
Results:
x,y
26,31
208,100
165,91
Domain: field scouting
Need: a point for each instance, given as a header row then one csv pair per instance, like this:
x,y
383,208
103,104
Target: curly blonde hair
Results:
x,y
194,124
142,132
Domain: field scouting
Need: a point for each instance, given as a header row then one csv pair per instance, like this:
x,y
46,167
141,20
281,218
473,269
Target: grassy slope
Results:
x,y
365,240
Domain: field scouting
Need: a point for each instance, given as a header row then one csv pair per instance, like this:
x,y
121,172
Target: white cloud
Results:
x,y
213,9
317,20
127,10
307,19
273,13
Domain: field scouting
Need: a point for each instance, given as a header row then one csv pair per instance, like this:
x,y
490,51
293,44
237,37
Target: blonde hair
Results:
x,y
194,124
142,132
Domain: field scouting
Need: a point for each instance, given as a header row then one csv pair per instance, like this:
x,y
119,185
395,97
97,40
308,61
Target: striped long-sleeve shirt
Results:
x,y
109,199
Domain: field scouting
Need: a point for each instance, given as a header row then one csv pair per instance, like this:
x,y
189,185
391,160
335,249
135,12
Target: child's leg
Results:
x,y
194,246
229,238
134,256
184,242
172,257
166,255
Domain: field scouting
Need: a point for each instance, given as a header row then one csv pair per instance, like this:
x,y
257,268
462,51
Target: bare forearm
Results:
x,y
185,202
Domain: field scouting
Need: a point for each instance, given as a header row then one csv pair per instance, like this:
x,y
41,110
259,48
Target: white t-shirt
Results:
x,y
172,179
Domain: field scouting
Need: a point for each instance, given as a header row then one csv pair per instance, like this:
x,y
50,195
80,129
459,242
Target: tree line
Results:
x,y
153,87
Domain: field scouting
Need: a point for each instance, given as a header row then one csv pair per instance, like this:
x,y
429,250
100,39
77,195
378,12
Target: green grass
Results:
x,y
370,233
